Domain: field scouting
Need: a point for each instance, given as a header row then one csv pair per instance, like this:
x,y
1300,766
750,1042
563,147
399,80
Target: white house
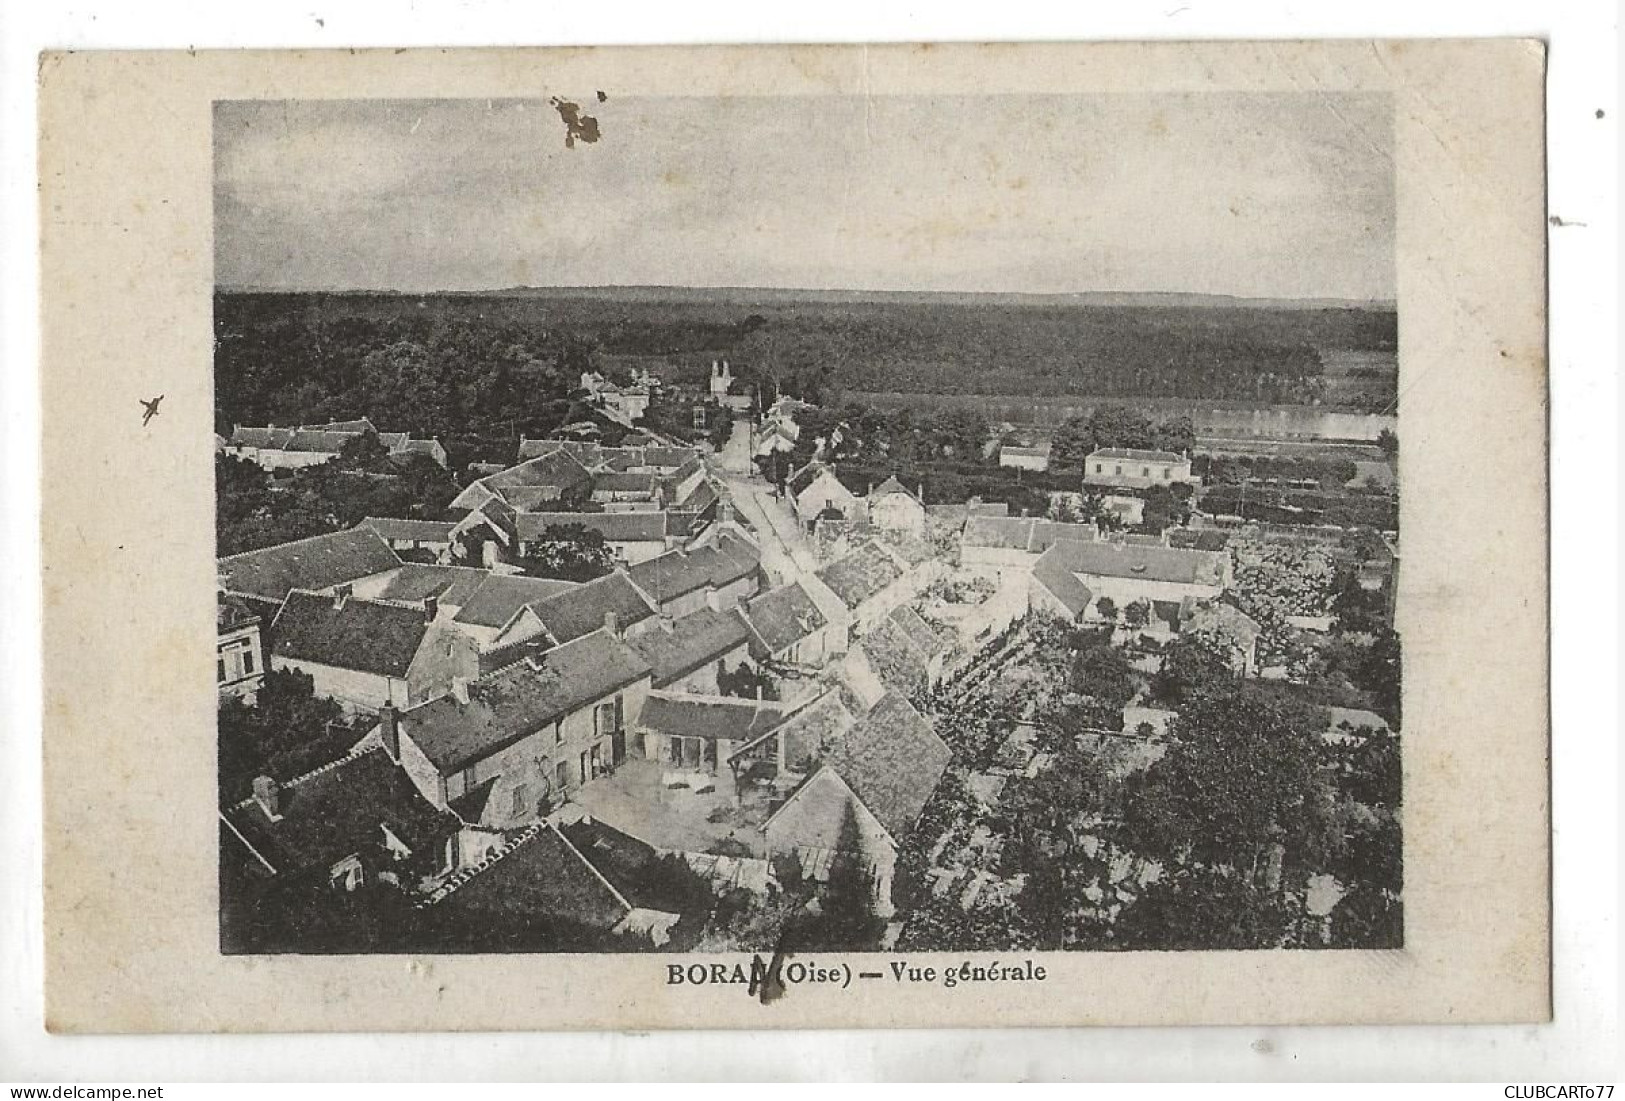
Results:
x,y
893,508
815,488
1025,458
1133,468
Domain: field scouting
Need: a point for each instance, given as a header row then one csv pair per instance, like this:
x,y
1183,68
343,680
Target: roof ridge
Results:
x,y
295,542
361,749
492,856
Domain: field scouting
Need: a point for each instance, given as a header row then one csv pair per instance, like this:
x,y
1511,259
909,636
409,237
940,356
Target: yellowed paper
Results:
x,y
132,821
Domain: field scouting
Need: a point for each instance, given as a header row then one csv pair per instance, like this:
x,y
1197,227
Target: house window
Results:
x,y
1145,472
222,664
521,799
1167,473
1118,469
561,775
607,717
1100,468
248,662
558,731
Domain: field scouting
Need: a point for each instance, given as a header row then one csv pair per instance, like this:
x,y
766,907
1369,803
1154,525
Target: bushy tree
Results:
x,y
1241,776
569,552
289,731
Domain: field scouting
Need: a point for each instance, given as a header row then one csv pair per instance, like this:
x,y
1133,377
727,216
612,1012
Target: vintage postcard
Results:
x,y
795,537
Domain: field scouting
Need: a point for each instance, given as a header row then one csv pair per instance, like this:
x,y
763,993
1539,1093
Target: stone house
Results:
x,y
1025,458
239,650
787,627
501,747
864,800
1134,468
702,732
892,508
430,539
365,654
318,563
688,654
1071,578
719,574
1015,541
815,488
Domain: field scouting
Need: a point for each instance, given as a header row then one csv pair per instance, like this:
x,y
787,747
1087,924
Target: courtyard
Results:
x,y
685,810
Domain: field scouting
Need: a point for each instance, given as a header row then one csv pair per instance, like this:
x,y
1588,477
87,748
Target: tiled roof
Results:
x,y
890,486
529,498
893,761
782,617
861,574
425,531
315,441
1129,560
617,527
570,615
364,635
919,632
703,497
675,573
709,717
678,647
318,562
231,613
1135,454
807,475
271,438
1032,534
500,596
811,732
898,663
518,701
1219,616
363,424
421,447
1062,584
669,457
541,876
556,468
586,453
338,811
614,481
633,867
1040,451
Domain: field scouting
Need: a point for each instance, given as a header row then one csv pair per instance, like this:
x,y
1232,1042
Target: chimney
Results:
x,y
612,624
922,493
667,624
460,689
340,595
431,608
389,728
712,601
267,794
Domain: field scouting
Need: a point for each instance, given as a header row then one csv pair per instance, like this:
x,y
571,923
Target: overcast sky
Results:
x,y
1253,195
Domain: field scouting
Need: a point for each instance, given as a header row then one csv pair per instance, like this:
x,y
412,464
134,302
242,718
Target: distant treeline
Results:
x,y
490,357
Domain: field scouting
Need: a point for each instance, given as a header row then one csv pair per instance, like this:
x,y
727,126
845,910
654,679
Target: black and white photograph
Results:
x,y
808,524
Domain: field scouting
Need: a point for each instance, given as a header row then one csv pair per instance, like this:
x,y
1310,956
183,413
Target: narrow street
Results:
x,y
787,553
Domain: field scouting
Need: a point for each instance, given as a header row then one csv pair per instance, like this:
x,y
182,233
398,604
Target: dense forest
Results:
x,y
459,364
